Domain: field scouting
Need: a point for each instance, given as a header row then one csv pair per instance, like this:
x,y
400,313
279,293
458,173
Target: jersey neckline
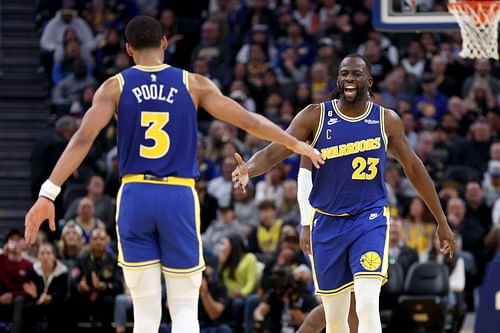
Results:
x,y
151,68
365,114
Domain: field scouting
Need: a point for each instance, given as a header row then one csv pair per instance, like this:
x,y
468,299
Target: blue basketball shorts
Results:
x,y
345,248
158,224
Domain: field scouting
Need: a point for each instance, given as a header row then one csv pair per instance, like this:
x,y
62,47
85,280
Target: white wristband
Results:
x,y
49,190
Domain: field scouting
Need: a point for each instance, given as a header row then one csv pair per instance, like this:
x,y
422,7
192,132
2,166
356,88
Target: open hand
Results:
x,y
240,174
446,239
303,148
42,210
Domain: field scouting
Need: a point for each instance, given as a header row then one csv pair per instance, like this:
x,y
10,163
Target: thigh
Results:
x,y
137,239
330,242
178,224
368,255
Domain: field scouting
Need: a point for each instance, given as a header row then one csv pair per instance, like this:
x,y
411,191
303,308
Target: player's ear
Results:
x,y
164,42
370,81
129,49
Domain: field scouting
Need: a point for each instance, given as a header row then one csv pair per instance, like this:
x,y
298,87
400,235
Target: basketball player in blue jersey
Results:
x,y
347,236
157,207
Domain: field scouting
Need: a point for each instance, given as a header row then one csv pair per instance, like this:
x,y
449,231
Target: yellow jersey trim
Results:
x,y
330,214
368,109
341,289
185,78
121,81
385,259
382,127
320,124
198,226
135,178
119,245
151,68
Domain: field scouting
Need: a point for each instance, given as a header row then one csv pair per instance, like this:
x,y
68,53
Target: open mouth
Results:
x,y
350,91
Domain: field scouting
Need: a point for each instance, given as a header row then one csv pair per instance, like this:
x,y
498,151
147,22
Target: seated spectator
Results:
x,y
208,168
70,247
258,35
482,69
221,187
104,207
398,251
414,63
295,39
410,124
477,147
65,66
226,224
237,267
430,106
480,99
271,188
98,15
71,35
245,208
265,239
445,84
392,90
476,208
53,33
208,204
380,64
70,89
13,275
86,219
288,207
96,282
491,181
419,228
46,289
319,79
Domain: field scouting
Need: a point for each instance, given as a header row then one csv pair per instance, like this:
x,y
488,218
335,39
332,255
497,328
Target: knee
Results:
x,y
366,305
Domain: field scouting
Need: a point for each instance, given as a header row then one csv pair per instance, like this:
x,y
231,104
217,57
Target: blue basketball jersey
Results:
x,y
352,178
157,126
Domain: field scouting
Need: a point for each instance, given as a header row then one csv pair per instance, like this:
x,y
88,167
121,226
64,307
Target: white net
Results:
x,y
478,21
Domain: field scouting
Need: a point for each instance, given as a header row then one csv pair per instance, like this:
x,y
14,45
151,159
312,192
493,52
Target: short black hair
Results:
x,y
143,32
359,56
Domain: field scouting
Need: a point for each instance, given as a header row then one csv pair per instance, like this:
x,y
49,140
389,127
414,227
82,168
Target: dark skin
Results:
x,y
353,73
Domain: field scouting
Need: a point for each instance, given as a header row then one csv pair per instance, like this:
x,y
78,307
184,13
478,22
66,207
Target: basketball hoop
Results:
x,y
478,21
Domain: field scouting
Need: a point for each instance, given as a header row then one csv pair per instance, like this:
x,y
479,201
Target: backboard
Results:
x,y
412,15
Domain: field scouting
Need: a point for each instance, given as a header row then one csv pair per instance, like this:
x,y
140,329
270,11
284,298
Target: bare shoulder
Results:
x,y
392,122
307,119
201,87
109,89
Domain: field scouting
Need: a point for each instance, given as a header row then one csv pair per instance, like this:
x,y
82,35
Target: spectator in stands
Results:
x,y
208,204
70,247
171,31
430,106
200,66
295,39
46,290
398,251
245,208
96,282
477,147
392,90
71,35
65,67
491,181
287,206
419,228
258,35
319,80
260,14
445,84
70,89
482,69
53,33
480,99
221,187
425,148
214,51
104,206
388,50
265,239
414,63
86,219
410,125
13,274
306,16
271,188
99,16
476,208
226,224
380,64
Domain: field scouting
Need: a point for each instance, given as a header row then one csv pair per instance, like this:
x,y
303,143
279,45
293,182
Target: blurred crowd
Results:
x,y
274,57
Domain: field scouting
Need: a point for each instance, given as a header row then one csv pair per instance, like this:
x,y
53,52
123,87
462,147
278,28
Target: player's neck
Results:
x,y
352,109
148,58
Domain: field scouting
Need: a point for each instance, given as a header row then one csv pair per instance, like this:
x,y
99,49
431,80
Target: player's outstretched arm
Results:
x,y
96,118
419,177
207,95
